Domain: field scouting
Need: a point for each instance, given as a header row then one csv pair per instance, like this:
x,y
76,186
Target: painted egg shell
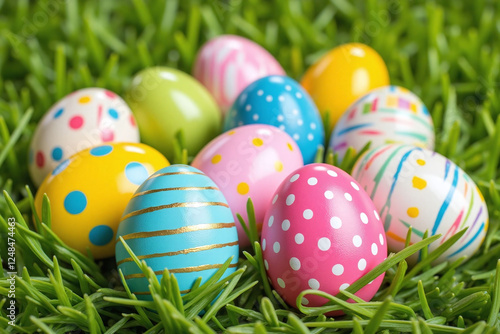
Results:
x,y
178,219
85,118
282,102
249,162
416,187
228,63
322,232
89,191
389,114
164,101
343,75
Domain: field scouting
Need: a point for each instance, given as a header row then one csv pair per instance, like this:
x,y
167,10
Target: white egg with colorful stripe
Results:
x,y
386,115
416,187
177,220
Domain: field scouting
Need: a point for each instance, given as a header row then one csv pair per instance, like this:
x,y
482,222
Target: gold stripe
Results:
x,y
184,270
175,173
184,229
147,293
183,251
169,189
173,205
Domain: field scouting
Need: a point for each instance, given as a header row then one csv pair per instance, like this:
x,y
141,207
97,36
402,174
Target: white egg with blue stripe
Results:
x,y
282,102
178,219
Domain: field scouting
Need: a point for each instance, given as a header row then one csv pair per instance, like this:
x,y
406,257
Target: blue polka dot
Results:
x,y
101,235
113,113
57,153
62,166
58,113
100,151
136,173
75,202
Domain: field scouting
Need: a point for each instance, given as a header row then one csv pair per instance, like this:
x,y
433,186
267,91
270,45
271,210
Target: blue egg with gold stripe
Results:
x,y
177,219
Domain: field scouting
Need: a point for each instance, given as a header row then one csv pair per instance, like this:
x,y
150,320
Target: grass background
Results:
x,y
447,52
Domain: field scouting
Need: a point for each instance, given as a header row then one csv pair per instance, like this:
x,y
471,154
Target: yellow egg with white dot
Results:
x,y
249,162
89,191
418,188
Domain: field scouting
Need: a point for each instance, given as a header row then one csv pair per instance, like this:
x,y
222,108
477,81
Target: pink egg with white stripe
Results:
x,y
321,232
227,64
389,114
85,118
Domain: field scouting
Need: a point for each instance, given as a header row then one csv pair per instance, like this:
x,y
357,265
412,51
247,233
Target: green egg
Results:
x,y
165,101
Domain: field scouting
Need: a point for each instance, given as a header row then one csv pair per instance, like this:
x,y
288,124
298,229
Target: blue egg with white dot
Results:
x,y
178,220
282,102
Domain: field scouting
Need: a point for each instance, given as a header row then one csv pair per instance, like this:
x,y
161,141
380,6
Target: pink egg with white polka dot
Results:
x,y
249,162
85,118
321,232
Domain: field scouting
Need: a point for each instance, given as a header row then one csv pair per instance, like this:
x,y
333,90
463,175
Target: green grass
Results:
x,y
447,52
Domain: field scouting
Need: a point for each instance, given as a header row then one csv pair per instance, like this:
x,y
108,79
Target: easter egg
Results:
x,y
282,102
321,232
249,162
85,118
416,187
89,191
227,64
178,219
166,101
388,114
342,76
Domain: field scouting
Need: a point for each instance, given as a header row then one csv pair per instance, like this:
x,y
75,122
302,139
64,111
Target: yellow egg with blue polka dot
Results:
x,y
89,191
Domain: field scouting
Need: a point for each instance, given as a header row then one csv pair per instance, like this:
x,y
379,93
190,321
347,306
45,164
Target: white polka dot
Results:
x,y
308,214
295,112
300,122
324,244
281,98
364,217
299,238
260,92
266,264
276,247
290,199
285,225
338,269
381,239
281,118
296,136
275,198
255,117
282,127
310,136
269,98
281,283
270,221
332,173
348,197
328,194
344,286
312,181
336,222
294,178
354,185
244,96
263,244
248,107
305,301
313,126
313,284
362,264
295,263
374,249
288,87
376,214
299,95
356,240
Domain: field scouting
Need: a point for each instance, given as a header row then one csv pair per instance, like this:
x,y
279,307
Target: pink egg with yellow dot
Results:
x,y
85,118
249,162
321,232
